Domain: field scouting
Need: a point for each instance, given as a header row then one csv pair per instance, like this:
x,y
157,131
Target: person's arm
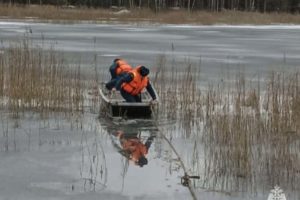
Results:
x,y
126,78
151,90
149,142
109,85
112,70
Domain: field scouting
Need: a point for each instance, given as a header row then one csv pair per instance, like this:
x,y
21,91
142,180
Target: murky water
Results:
x,y
58,158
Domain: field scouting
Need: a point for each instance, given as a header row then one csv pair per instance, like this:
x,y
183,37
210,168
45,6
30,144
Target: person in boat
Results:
x,y
133,83
133,148
118,68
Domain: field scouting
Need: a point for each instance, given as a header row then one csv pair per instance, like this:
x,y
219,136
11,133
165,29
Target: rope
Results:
x,y
185,180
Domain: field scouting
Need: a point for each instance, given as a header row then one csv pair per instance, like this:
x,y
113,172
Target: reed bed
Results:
x,y
247,133
38,80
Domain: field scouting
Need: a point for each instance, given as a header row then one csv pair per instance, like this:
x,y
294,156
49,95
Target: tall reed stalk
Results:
x,y
1,75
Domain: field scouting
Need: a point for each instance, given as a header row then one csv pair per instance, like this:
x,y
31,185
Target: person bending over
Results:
x,y
118,68
133,83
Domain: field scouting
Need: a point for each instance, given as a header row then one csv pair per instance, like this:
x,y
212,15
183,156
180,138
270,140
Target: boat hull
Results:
x,y
113,105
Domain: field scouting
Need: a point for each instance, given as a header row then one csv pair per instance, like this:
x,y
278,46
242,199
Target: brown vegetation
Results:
x,y
248,133
36,79
145,15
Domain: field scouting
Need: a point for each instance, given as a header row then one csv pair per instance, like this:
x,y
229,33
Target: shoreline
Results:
x,y
146,23
52,14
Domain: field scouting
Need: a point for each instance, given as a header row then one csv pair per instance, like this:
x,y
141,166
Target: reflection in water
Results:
x,y
132,138
132,147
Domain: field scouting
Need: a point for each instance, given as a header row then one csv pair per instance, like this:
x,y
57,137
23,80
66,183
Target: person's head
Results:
x,y
118,133
144,71
116,60
142,161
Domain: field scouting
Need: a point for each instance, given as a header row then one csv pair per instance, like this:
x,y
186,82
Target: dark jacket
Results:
x,y
128,77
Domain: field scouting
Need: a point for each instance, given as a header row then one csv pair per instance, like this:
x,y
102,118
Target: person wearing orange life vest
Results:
x,y
133,148
133,83
117,70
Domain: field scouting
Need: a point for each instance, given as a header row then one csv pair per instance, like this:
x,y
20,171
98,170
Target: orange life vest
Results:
x,y
138,83
123,66
135,148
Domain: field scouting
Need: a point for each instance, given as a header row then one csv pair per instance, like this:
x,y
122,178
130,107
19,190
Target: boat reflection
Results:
x,y
132,146
132,139
142,153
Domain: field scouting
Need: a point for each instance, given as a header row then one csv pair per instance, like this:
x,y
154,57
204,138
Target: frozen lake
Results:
x,y
217,49
62,159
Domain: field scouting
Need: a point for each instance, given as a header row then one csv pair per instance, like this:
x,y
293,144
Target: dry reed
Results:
x,y
249,135
36,79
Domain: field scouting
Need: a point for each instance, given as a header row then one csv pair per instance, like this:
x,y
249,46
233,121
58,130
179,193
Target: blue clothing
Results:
x,y
127,77
130,98
112,70
114,77
124,79
112,83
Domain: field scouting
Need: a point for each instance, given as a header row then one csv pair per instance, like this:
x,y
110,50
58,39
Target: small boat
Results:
x,y
114,105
